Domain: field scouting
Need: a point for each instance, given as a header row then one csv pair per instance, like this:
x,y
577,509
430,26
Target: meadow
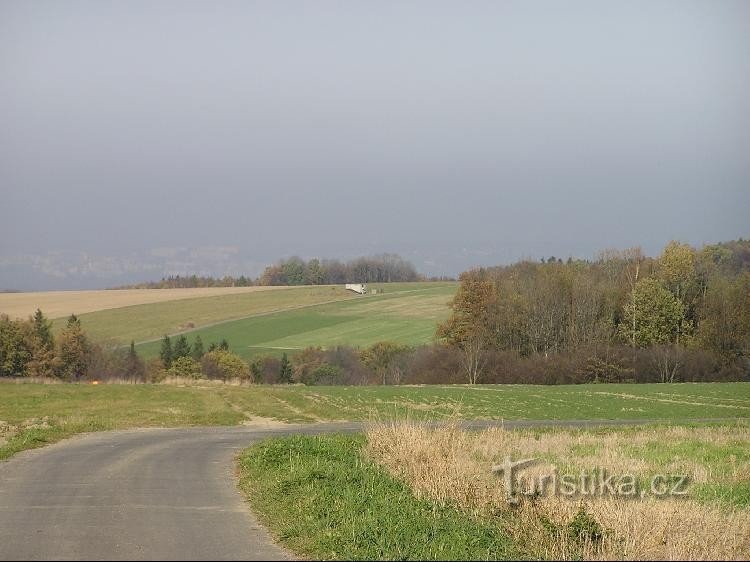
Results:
x,y
144,322
405,313
34,414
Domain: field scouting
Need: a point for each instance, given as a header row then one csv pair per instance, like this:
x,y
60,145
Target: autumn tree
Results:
x,y
225,365
15,347
470,327
652,316
72,350
386,359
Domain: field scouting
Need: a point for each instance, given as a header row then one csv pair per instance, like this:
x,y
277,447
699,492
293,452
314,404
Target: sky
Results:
x,y
453,133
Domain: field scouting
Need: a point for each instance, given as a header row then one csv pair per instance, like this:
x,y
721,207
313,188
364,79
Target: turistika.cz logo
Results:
x,y
595,482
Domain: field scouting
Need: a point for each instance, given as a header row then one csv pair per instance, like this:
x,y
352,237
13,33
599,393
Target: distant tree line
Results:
x,y
381,268
193,282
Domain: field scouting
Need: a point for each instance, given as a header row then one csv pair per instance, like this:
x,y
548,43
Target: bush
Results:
x,y
185,367
224,365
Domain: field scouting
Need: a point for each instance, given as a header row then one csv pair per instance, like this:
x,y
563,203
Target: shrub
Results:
x,y
223,364
185,367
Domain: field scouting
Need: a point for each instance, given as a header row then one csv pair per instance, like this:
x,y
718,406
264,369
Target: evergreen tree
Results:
x,y
285,370
197,348
224,345
166,352
43,330
73,350
181,348
134,366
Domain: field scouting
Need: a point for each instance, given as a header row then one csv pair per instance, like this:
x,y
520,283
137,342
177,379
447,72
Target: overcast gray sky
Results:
x,y
454,133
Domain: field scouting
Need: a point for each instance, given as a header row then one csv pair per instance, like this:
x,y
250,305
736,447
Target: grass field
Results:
x,y
59,304
406,313
410,492
34,414
151,321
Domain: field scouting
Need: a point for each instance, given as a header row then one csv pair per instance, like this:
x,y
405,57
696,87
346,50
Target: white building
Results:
x,y
360,288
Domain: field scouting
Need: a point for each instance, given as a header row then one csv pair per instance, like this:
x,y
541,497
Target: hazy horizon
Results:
x,y
141,139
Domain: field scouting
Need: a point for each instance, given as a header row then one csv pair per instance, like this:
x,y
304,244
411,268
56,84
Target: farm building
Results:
x,y
360,288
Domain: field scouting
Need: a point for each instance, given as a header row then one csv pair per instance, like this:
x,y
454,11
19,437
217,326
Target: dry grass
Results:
x,y
56,304
453,467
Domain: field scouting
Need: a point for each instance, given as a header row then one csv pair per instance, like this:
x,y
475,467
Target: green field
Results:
x,y
405,313
34,414
149,321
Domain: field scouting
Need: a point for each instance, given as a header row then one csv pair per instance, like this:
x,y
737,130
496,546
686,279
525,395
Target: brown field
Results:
x,y
57,304
453,467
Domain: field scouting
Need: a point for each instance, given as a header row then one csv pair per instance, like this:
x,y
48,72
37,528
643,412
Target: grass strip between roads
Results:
x,y
324,500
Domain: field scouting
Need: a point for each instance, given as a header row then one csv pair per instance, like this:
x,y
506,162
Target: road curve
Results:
x,y
167,494
148,494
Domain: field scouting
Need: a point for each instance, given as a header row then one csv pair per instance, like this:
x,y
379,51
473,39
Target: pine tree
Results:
x,y
134,367
43,330
181,348
73,350
166,352
285,370
197,348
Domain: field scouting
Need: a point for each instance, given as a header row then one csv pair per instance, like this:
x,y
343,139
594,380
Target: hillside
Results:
x,y
406,313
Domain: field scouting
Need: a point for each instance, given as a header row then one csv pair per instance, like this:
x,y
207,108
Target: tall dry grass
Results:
x,y
451,466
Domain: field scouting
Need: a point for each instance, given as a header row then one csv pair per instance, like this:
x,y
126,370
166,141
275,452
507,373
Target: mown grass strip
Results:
x,y
322,499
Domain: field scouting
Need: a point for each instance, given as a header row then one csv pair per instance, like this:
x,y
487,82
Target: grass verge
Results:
x,y
710,520
324,500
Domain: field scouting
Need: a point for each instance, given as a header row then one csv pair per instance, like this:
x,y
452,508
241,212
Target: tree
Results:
x,y
197,352
294,271
383,358
15,352
256,370
314,273
677,270
469,328
135,368
653,316
43,330
166,352
73,348
724,324
224,345
181,348
285,370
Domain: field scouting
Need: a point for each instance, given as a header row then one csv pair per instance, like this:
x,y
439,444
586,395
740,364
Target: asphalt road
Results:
x,y
167,494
